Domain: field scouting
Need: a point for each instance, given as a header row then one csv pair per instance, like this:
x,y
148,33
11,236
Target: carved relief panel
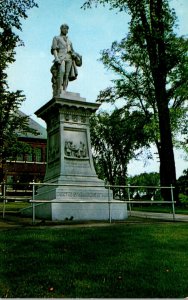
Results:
x,y
75,150
75,144
53,147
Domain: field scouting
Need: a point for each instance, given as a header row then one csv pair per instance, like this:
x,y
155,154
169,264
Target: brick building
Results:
x,y
28,166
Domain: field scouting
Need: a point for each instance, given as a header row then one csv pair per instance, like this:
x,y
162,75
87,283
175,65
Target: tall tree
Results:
x,y
11,13
151,37
115,139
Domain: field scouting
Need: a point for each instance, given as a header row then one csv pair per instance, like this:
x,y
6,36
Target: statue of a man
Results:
x,y
66,60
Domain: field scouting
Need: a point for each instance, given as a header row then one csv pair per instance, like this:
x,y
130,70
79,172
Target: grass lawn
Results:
x,y
147,260
13,206
164,208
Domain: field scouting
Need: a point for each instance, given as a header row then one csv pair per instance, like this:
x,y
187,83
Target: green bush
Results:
x,y
183,200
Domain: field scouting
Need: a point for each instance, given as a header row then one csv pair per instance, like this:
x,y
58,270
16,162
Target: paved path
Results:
x,y
162,216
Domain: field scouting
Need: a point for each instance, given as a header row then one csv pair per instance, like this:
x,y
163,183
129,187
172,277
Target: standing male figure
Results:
x,y
66,60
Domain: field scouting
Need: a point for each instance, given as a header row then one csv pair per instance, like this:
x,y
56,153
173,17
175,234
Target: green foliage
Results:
x,y
182,184
183,200
11,13
148,180
152,66
135,85
145,179
115,138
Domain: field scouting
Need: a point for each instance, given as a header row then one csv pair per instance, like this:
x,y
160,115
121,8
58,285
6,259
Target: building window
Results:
x,y
20,157
45,154
10,181
29,156
38,154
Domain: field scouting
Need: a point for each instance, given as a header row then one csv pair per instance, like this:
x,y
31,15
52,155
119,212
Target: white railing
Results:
x,y
129,201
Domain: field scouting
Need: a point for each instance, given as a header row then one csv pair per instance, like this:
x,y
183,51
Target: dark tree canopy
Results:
x,y
152,64
11,14
115,138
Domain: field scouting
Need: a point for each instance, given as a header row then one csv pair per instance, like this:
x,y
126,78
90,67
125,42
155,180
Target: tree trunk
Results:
x,y
155,37
166,153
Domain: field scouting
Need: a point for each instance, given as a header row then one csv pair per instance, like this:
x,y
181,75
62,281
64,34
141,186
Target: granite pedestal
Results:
x,y
82,195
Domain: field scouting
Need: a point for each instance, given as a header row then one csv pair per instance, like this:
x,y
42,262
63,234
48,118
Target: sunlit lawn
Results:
x,y
160,208
148,260
13,206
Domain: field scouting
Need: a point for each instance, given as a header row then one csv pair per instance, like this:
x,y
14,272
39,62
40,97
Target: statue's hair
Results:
x,y
64,25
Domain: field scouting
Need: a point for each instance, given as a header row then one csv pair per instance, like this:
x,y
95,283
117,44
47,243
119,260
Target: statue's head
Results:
x,y
64,26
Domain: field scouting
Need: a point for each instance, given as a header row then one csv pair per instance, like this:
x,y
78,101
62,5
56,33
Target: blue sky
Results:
x,y
90,31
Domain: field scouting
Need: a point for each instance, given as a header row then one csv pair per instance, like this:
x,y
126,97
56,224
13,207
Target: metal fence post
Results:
x,y
110,217
4,198
33,204
128,191
173,207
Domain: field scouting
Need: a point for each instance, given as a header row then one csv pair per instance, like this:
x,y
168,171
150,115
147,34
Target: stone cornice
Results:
x,y
66,101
